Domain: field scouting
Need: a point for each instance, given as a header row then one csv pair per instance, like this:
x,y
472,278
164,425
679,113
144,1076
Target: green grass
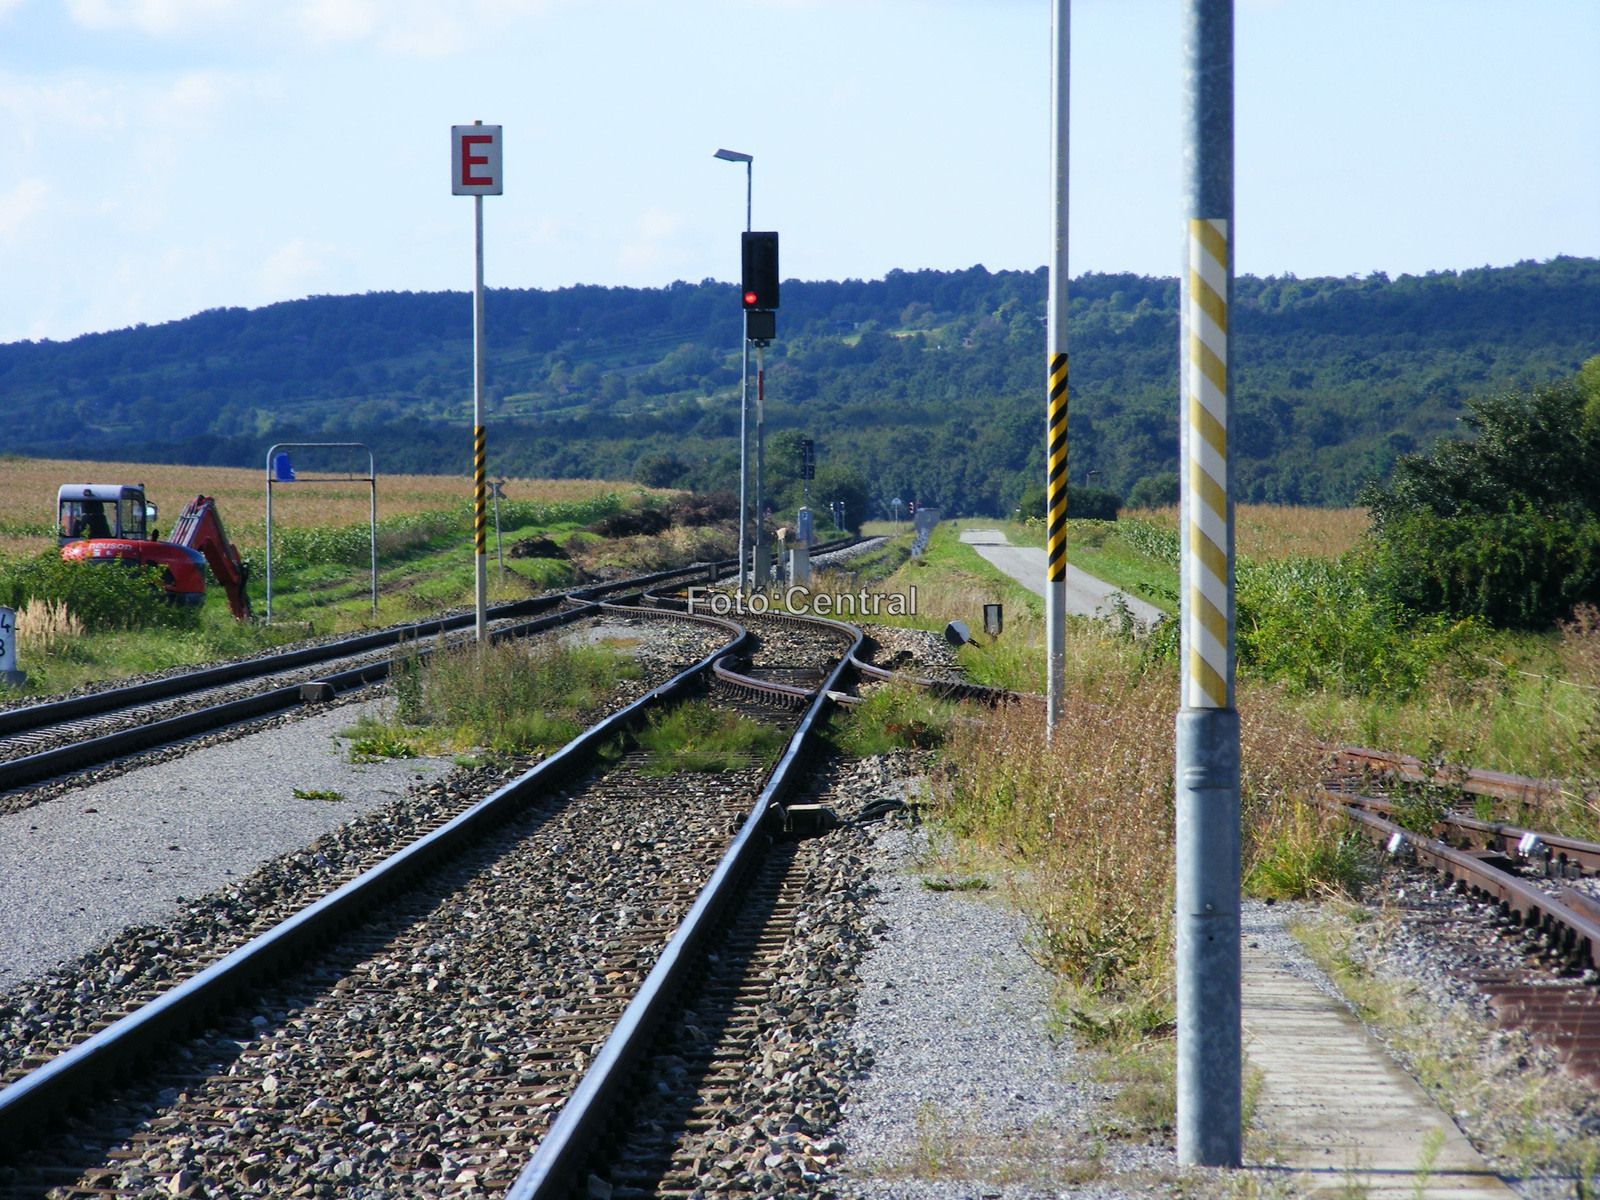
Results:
x,y
1099,548
317,794
892,717
700,737
321,586
510,697
372,740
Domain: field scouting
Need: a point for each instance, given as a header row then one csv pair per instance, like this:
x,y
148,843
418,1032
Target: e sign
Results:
x,y
475,161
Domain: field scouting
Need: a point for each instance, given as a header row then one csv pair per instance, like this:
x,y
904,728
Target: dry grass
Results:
x,y
1044,1155
28,492
1273,531
46,628
1084,826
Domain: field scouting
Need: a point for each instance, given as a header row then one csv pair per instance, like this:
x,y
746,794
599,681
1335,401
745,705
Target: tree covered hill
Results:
x,y
929,382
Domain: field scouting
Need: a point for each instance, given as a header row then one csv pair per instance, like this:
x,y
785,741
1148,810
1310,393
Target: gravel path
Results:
x,y
1086,595
126,851
968,1085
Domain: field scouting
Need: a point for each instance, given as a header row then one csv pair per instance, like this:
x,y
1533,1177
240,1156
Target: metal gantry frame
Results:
x,y
371,479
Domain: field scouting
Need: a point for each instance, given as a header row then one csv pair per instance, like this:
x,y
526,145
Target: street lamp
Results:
x,y
744,385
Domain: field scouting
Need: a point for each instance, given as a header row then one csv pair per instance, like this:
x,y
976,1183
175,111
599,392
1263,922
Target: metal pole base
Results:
x,y
1209,1053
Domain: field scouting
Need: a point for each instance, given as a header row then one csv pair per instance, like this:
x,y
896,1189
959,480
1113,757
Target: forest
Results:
x,y
929,384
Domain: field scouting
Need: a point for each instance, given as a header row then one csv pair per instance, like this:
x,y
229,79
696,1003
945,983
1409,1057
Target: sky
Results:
x,y
160,157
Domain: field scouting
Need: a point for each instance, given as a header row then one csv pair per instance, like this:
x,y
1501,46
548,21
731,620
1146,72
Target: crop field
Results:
x,y
321,558
28,494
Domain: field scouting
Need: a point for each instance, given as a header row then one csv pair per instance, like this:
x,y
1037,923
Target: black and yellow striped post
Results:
x,y
480,520
1055,493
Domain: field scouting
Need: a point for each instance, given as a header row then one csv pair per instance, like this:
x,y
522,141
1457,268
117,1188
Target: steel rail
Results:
x,y
1558,850
1495,784
566,1146
1566,930
787,695
65,760
37,1096
77,756
55,712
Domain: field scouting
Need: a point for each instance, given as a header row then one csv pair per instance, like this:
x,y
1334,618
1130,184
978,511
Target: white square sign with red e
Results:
x,y
475,161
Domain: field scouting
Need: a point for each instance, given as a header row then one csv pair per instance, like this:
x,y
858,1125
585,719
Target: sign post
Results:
x,y
475,171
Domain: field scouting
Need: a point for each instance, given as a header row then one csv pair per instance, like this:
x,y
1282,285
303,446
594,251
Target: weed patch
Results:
x,y
372,740
893,717
512,697
1298,850
699,737
318,794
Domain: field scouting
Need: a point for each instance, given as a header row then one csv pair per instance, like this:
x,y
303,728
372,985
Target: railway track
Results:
x,y
1530,895
45,741
497,999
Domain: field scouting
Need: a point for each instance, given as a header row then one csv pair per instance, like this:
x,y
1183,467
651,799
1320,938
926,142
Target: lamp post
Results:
x,y
744,385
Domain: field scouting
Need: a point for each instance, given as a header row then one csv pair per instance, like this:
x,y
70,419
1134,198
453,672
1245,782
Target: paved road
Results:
x,y
1086,595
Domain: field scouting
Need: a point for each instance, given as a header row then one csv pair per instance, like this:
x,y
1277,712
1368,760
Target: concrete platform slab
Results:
x,y
1337,1111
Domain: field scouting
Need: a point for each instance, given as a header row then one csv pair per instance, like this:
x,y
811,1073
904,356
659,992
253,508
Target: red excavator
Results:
x,y
110,522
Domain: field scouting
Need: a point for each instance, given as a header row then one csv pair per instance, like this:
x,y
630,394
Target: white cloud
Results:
x,y
407,28
302,267
152,16
657,242
19,206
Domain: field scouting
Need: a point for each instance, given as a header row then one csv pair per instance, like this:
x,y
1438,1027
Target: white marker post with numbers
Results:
x,y
9,675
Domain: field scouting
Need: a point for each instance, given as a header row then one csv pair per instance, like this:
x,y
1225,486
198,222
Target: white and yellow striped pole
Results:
x,y
1055,487
1206,783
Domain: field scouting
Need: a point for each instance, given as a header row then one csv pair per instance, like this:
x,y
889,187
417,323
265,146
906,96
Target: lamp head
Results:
x,y
733,156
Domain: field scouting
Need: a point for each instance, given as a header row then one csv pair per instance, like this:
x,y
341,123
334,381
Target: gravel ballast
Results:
x,y
127,850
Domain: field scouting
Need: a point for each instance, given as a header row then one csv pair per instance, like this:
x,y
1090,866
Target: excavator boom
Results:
x,y
199,527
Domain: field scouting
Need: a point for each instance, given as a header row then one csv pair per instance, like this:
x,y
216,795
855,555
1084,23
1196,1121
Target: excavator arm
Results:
x,y
199,527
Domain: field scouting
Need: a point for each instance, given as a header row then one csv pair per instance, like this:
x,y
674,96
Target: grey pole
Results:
x,y
1207,767
744,386
760,572
744,456
479,447
1055,598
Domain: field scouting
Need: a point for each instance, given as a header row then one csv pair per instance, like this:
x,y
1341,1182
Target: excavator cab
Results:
x,y
102,510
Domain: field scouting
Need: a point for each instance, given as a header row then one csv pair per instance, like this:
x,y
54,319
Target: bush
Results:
x,y
1505,526
1155,491
1315,624
1083,503
1520,569
659,470
103,595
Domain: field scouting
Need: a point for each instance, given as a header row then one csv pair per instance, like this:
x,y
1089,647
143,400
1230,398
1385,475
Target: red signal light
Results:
x,y
750,297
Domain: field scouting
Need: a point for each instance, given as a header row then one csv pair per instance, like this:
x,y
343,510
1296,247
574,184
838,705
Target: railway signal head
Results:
x,y
759,278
